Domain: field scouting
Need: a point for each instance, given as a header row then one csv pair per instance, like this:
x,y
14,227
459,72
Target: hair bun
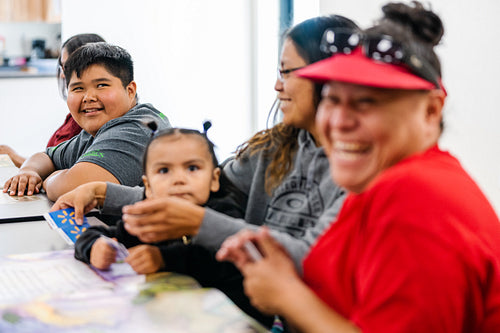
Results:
x,y
424,23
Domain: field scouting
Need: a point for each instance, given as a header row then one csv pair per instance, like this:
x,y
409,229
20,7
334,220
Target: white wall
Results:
x,y
30,111
192,58
469,57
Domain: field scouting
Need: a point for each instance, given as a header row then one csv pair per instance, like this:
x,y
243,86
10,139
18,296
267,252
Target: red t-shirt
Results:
x,y
67,130
418,251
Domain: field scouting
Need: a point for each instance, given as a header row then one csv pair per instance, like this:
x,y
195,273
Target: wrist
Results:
x,y
17,159
100,192
198,214
299,290
27,168
195,218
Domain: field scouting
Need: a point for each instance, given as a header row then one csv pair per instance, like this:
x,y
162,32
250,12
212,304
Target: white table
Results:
x,y
29,237
18,209
26,208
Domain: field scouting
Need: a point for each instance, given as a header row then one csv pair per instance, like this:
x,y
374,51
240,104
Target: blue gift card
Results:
x,y
64,221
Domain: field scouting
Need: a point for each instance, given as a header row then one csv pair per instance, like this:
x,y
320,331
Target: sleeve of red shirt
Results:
x,y
66,131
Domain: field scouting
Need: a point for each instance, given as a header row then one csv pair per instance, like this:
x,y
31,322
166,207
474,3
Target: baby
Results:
x,y
177,162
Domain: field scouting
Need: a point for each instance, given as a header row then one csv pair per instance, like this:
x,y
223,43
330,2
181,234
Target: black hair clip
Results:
x,y
206,126
153,126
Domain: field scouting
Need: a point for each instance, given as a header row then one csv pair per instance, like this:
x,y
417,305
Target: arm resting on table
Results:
x,y
68,179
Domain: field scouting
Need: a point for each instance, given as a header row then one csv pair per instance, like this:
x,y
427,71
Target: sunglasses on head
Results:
x,y
380,48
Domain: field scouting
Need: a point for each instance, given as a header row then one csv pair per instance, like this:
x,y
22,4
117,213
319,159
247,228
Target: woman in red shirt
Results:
x,y
416,246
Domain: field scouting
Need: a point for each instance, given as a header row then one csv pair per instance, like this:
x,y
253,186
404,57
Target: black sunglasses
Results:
x,y
378,47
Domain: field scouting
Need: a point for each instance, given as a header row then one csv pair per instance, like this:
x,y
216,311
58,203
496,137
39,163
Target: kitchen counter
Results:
x,y
21,74
34,68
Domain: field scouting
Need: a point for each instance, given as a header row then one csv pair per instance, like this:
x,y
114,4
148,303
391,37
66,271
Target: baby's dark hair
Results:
x,y
115,59
179,131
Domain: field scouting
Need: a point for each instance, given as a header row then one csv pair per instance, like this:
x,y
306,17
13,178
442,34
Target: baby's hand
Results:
x,y
145,259
102,255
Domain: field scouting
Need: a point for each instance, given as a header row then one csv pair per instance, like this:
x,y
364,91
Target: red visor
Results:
x,y
358,69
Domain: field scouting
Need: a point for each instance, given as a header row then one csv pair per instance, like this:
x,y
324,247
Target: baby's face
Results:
x,y
181,166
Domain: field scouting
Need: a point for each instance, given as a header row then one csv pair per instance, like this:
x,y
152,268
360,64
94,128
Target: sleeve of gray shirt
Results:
x,y
118,148
118,196
216,227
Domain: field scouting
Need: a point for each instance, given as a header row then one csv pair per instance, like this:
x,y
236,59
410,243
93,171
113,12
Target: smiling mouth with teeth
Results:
x,y
350,147
91,110
350,151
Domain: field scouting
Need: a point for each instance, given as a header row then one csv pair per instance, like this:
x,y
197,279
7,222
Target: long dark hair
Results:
x,y
74,42
280,142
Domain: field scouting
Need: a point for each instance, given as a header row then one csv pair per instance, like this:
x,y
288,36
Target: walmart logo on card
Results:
x,y
64,222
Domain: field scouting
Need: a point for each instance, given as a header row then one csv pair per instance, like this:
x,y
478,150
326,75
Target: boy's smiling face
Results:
x,y
97,97
180,165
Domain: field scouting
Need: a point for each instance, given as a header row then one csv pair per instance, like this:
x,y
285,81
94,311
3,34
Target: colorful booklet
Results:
x,y
63,221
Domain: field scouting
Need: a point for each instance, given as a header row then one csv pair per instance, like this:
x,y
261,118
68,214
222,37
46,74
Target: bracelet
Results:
x,y
186,240
99,207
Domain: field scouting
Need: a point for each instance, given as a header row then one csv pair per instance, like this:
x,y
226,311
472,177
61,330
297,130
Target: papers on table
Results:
x,y
24,280
52,292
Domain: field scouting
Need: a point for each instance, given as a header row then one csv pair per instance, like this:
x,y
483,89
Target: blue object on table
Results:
x,y
64,222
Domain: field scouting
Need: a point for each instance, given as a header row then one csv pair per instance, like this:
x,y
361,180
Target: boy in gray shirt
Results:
x,y
102,99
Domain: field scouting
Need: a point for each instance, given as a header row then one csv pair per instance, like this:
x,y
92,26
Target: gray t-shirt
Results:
x,y
118,146
299,210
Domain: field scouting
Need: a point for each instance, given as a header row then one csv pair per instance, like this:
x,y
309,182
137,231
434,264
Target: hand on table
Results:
x,y
17,159
26,180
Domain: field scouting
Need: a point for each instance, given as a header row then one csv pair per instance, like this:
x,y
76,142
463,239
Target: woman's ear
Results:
x,y
435,107
149,193
215,184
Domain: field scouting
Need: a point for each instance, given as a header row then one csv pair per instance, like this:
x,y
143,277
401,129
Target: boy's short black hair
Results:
x,y
115,59
180,131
